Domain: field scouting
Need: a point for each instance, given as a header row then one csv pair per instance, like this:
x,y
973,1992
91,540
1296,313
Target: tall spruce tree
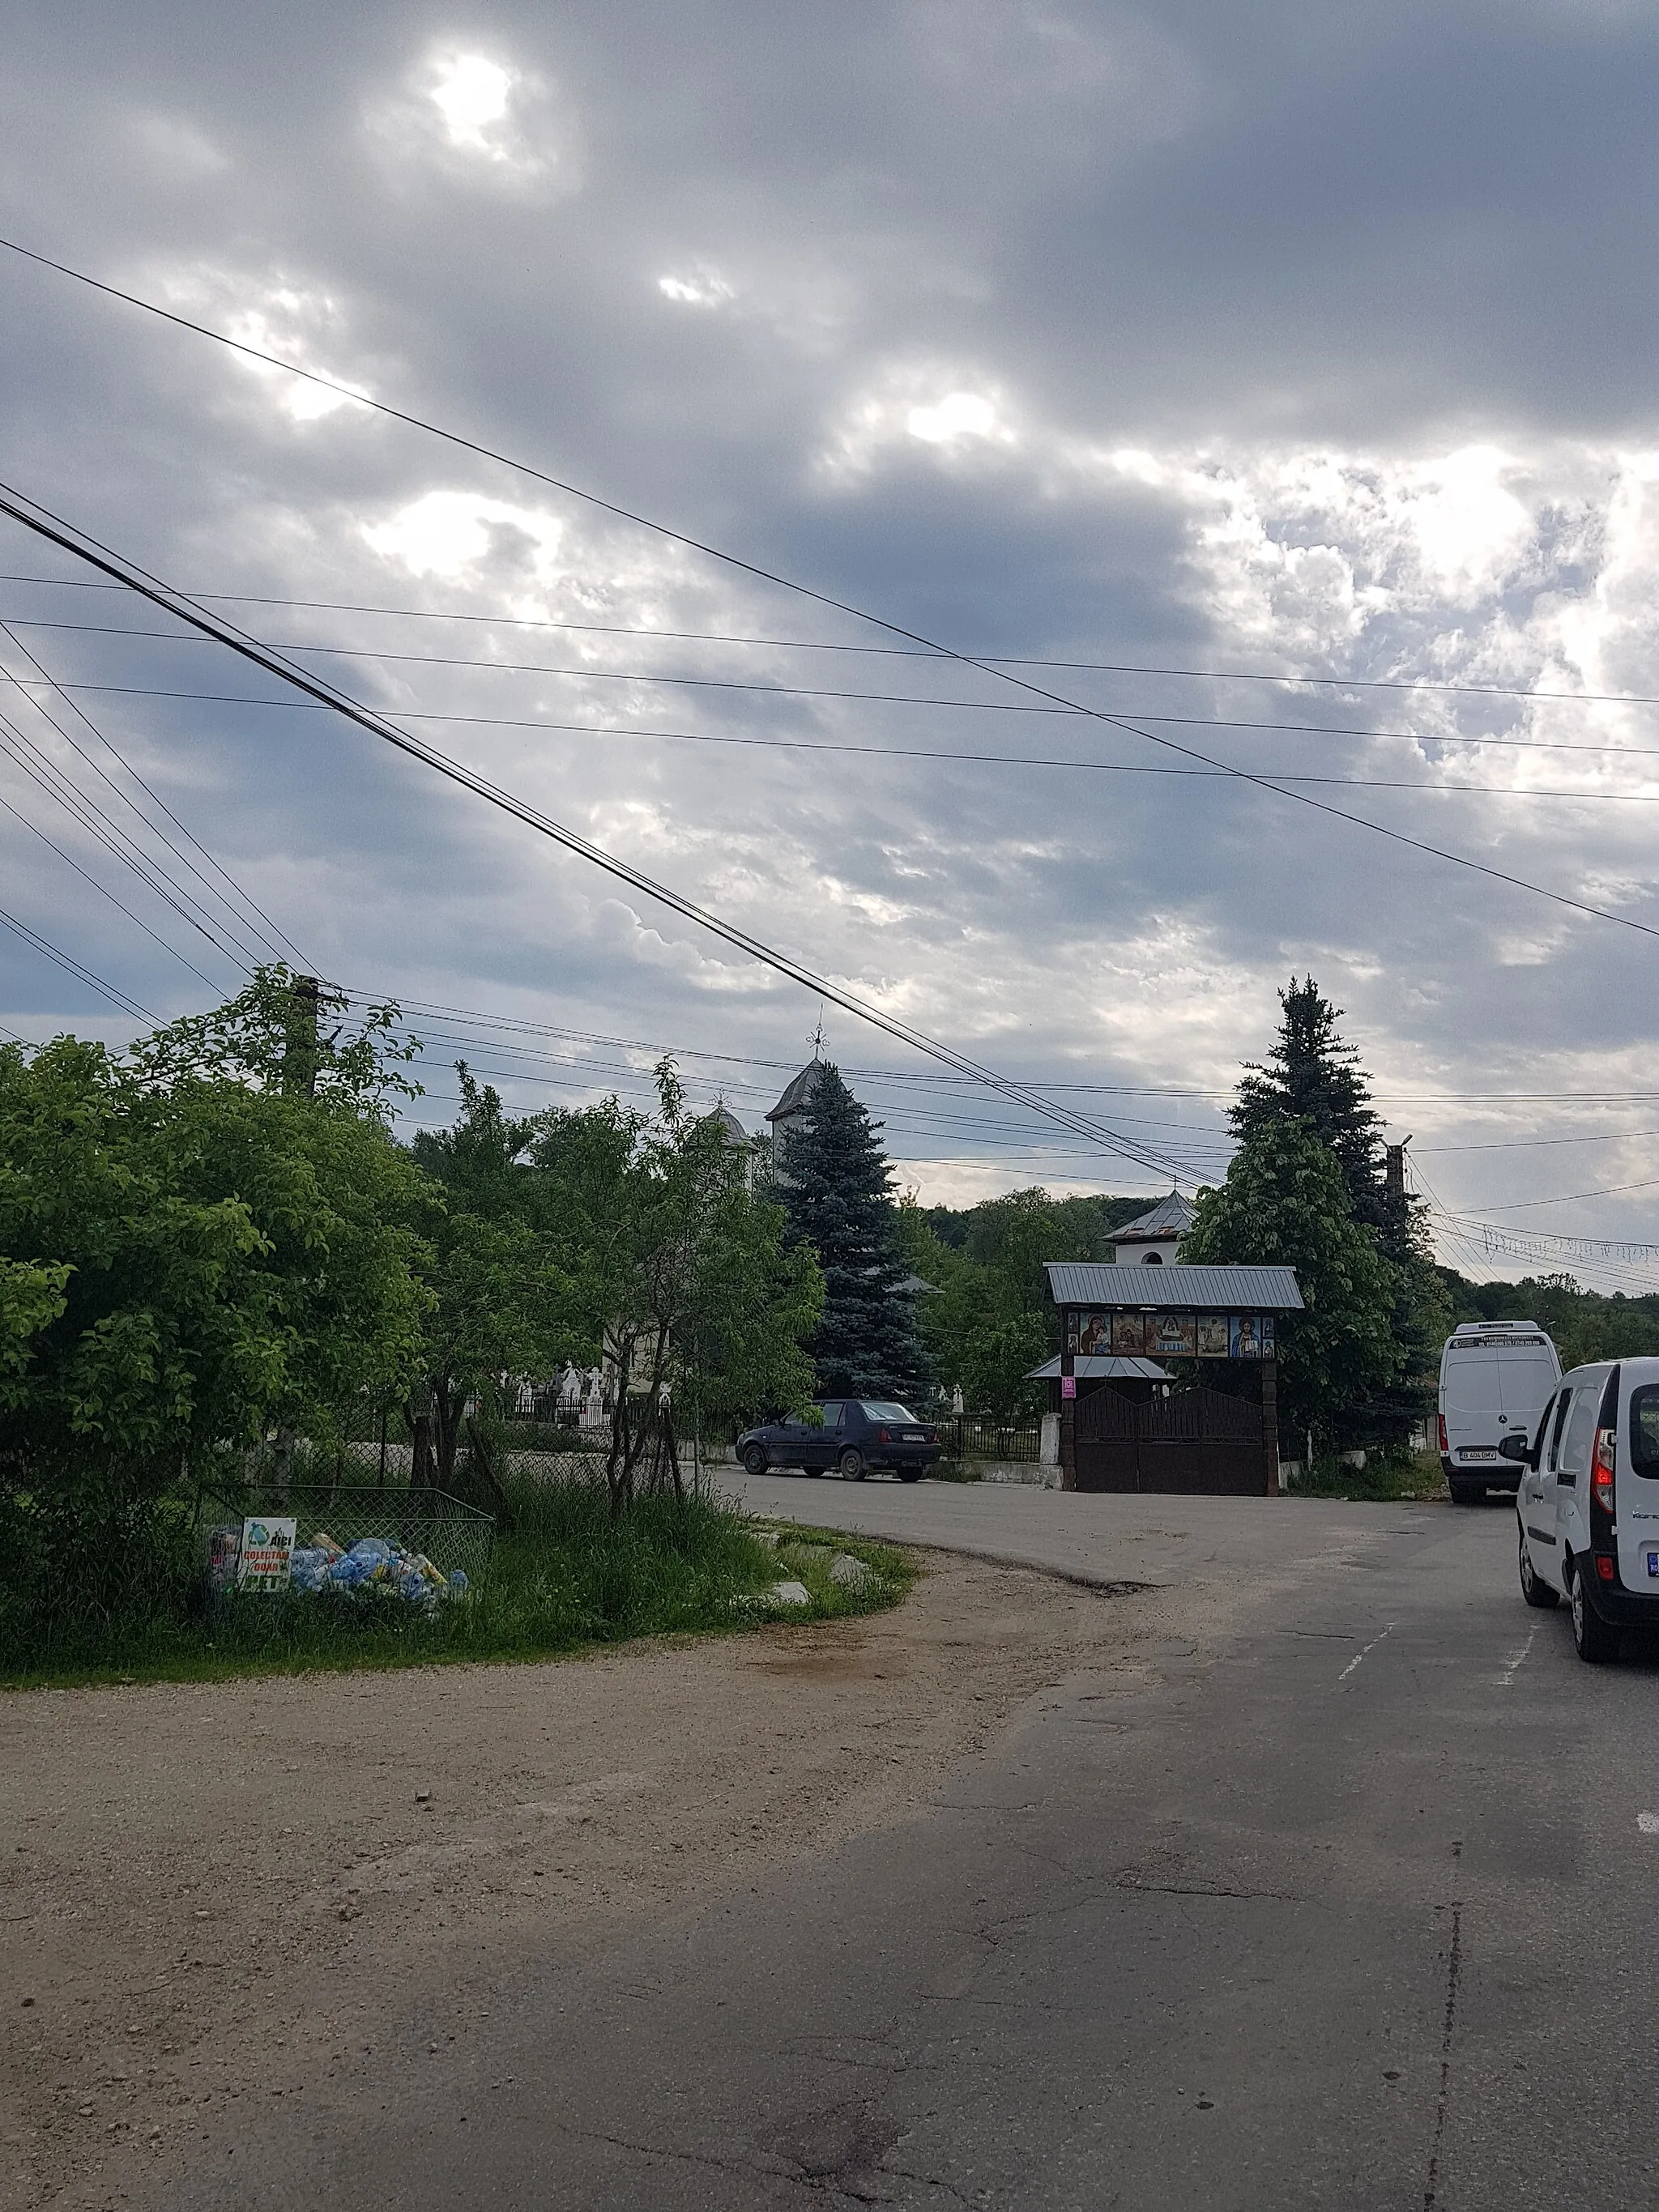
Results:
x,y
835,1184
1312,1074
1313,1079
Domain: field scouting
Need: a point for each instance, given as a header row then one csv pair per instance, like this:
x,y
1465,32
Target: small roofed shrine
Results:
x,y
1196,1439
1153,1238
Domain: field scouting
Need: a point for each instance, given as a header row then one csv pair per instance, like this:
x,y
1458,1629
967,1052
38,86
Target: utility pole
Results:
x,y
1393,1177
300,1046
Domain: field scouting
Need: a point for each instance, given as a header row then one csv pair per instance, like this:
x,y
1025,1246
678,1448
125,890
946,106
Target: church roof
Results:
x,y
731,1128
1171,1217
798,1095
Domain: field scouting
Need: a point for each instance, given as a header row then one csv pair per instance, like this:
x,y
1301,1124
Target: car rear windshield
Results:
x,y
878,1413
1644,1430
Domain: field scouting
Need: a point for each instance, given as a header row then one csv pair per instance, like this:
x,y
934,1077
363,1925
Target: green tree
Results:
x,y
1312,1075
836,1187
1284,1200
700,1306
500,1306
992,1319
191,1257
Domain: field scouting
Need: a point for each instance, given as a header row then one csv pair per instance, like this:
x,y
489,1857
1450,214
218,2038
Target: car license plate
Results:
x,y
913,1436
1477,1451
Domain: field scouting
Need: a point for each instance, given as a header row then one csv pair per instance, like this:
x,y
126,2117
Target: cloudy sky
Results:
x,y
1286,374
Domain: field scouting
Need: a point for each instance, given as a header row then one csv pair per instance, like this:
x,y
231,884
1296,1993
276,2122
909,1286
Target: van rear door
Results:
x,y
1474,1402
1638,1497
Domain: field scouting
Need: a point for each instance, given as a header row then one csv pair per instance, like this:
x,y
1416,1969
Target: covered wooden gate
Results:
x,y
1197,1442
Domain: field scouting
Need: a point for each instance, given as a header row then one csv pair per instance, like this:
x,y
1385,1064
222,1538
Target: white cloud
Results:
x,y
698,287
958,415
476,118
293,321
909,404
472,94
444,533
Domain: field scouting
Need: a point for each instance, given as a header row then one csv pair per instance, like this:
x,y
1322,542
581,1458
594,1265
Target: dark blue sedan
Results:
x,y
857,1434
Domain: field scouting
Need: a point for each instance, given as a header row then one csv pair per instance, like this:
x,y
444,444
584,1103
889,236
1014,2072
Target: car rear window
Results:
x,y
885,1412
1644,1430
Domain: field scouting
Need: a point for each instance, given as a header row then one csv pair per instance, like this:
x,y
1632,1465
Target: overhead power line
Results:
x,y
243,905
86,876
200,617
1251,723
73,967
1284,778
244,911
53,527
822,645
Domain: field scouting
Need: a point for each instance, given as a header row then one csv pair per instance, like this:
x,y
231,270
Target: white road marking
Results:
x,y
1515,1664
1648,1823
1358,1655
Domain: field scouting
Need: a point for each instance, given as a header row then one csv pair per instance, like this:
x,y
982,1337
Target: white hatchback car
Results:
x,y
1588,1502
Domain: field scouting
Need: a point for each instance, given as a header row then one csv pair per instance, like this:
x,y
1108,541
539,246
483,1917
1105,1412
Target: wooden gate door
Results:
x,y
1195,1442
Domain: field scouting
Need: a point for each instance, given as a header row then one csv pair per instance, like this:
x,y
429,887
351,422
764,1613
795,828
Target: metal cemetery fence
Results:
x,y
972,1435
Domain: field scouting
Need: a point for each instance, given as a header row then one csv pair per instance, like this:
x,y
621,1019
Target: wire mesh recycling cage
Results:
x,y
333,1518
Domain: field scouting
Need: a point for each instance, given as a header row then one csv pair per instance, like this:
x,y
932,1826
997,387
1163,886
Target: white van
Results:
x,y
1495,1378
1588,1502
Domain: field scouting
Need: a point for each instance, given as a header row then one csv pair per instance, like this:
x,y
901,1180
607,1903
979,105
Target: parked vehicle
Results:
x,y
1495,1378
857,1435
1588,1506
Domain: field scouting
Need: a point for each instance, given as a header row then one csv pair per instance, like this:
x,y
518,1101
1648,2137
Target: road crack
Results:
x,y
1448,2025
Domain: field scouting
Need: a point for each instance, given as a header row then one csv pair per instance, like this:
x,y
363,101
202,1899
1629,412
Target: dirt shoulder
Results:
x,y
223,1890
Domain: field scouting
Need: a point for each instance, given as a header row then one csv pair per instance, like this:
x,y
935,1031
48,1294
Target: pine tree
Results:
x,y
835,1184
1312,1077
1312,1074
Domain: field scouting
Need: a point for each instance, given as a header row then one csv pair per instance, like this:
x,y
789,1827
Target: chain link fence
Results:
x,y
426,1523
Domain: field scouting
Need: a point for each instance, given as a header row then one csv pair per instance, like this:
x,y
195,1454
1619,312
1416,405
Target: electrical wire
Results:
x,y
87,876
41,769
1286,777
247,906
40,520
42,945
1254,724
820,645
199,616
806,691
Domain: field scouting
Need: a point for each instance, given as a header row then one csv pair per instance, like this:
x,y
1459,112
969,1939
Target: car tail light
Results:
x,y
1444,1452
884,1436
1604,1566
1606,1446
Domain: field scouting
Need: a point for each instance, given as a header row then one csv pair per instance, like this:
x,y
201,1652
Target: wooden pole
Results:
x,y
1067,1404
1270,1426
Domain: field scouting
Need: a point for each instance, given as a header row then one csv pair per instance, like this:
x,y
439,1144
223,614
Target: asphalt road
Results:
x,y
1338,1898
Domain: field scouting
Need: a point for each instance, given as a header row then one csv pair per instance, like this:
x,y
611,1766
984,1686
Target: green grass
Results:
x,y
1379,1482
562,1579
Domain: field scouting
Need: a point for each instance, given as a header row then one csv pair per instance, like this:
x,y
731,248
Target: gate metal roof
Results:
x,y
1174,1289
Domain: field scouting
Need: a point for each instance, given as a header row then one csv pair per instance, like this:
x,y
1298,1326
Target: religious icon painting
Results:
x,y
1246,1337
1174,1336
1094,1334
1265,1330
1129,1334
1212,1336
